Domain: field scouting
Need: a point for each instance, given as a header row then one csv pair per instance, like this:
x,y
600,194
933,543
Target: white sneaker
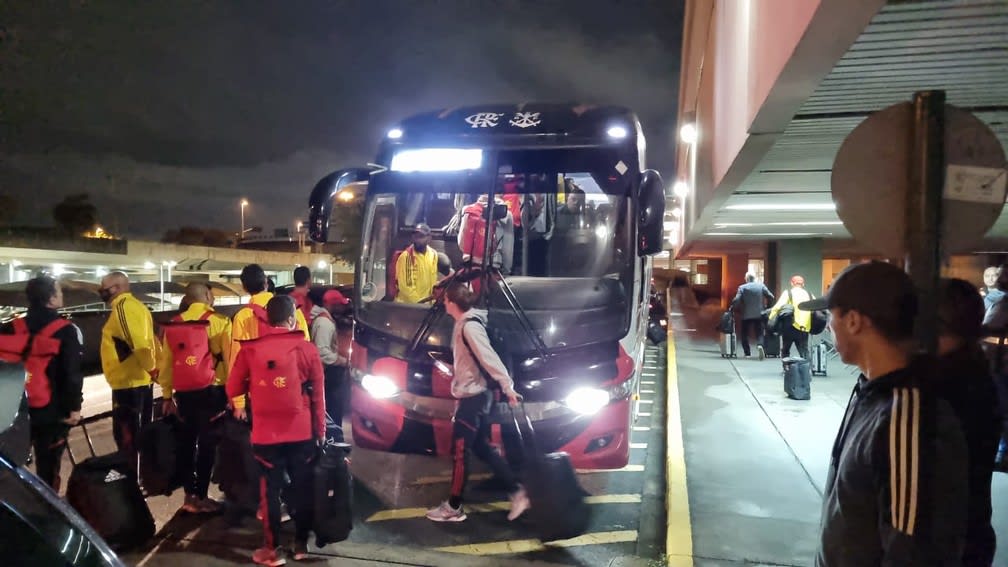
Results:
x,y
760,352
519,504
445,513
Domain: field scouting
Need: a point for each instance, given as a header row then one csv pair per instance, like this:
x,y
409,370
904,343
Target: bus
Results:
x,y
548,212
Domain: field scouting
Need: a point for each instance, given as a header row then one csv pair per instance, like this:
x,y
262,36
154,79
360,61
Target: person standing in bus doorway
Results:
x,y
752,296
326,339
196,394
896,488
252,318
796,330
61,381
302,282
282,374
416,268
475,363
129,352
966,384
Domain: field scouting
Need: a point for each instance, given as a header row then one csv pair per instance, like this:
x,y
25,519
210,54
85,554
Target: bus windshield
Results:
x,y
547,225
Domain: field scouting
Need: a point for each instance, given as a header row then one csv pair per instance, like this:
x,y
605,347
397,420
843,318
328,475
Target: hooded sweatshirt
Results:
x,y
468,378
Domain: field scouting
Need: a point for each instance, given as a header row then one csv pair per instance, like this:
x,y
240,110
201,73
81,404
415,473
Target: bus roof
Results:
x,y
517,124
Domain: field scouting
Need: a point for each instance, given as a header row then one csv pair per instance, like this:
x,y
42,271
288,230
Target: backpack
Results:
x,y
193,365
34,350
276,385
785,315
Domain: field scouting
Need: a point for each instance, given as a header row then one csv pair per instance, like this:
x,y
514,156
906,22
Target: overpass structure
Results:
x,y
768,92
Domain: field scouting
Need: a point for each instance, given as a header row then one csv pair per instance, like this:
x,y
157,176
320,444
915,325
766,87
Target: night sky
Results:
x,y
169,112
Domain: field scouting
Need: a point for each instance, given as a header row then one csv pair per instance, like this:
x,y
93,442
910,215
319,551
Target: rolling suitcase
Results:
x,y
728,344
558,510
104,491
655,333
236,471
797,378
771,344
333,495
159,447
819,357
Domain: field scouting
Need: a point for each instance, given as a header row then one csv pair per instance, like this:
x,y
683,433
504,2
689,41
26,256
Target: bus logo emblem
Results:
x,y
526,120
484,119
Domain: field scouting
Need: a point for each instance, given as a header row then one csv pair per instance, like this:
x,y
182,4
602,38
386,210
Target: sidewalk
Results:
x,y
757,461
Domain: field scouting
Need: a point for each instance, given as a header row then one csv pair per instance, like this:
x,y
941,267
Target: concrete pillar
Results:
x,y
802,257
733,272
771,268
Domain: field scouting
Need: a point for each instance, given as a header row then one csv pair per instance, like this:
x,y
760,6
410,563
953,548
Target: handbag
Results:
x,y
784,316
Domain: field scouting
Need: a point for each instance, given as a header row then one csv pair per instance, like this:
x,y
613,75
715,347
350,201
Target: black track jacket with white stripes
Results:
x,y
896,493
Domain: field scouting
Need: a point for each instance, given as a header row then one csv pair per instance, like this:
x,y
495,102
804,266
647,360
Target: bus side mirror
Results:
x,y
321,200
651,213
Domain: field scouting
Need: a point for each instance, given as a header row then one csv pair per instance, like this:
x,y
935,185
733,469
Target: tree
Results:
x,y
75,215
198,237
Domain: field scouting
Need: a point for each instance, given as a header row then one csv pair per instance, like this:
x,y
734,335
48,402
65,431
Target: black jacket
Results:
x,y
751,296
967,385
897,485
63,371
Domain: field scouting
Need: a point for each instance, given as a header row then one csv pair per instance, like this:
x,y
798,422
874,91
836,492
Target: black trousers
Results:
x,y
335,394
198,438
792,336
277,461
132,409
751,325
48,439
471,434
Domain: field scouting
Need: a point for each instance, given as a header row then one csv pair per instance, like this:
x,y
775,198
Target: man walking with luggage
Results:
x,y
896,491
128,356
252,318
752,296
282,374
476,362
54,393
193,372
793,322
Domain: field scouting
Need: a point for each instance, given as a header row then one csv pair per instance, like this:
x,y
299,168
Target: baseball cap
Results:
x,y
334,297
876,289
422,228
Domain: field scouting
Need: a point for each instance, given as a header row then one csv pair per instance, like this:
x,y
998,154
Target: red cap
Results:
x,y
334,297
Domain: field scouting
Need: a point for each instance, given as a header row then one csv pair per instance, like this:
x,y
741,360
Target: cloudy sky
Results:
x,y
169,112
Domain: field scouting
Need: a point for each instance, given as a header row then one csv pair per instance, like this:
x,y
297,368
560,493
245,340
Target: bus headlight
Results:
x,y
587,401
379,387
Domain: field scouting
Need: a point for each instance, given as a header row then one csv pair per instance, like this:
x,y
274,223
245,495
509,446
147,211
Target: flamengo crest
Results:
x,y
484,119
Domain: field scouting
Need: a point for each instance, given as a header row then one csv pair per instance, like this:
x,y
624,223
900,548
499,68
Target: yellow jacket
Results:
x,y
219,333
129,348
416,274
796,295
244,326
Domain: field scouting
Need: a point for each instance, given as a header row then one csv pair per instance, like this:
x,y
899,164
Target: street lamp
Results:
x,y
244,203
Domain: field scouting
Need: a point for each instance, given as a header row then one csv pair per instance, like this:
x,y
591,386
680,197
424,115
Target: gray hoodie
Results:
x,y
467,378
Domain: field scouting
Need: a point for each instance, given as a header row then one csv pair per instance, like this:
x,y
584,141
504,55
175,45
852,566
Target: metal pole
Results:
x,y
241,235
924,210
161,278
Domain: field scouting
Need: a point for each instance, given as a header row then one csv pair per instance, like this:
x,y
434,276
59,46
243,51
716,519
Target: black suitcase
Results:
x,y
105,493
771,344
558,508
797,378
333,495
159,446
236,471
655,333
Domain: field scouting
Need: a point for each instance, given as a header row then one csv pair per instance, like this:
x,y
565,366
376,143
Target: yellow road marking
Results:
x,y
679,535
530,545
443,478
500,506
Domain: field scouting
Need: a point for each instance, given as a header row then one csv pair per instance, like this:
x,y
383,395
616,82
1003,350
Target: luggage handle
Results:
x,y
87,437
528,441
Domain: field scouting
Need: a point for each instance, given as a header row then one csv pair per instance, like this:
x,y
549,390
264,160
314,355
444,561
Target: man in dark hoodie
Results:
x,y
51,422
967,384
896,491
